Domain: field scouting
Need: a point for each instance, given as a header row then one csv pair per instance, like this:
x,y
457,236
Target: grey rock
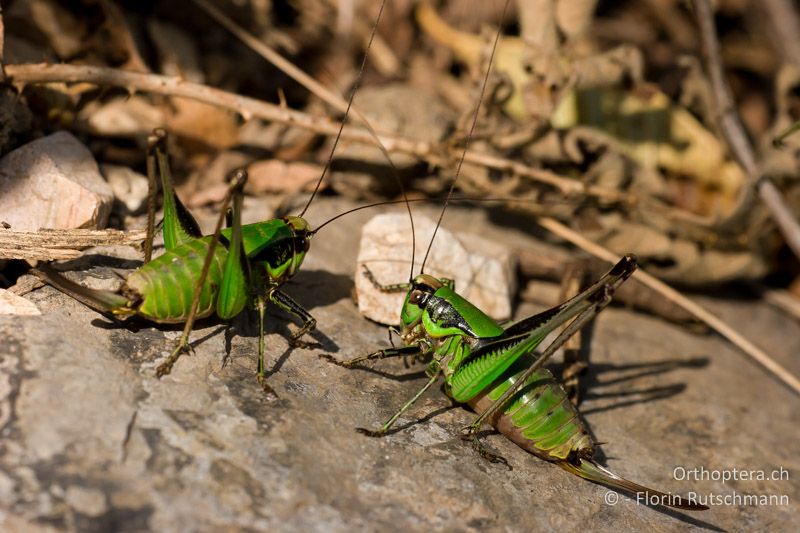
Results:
x,y
129,187
91,440
53,182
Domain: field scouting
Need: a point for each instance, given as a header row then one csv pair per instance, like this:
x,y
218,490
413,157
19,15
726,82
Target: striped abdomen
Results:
x,y
166,284
539,417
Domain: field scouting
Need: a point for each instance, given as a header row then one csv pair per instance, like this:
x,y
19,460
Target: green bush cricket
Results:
x,y
200,275
218,274
494,370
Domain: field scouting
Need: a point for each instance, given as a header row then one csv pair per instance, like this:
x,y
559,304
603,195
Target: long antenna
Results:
x,y
347,110
408,201
467,140
381,146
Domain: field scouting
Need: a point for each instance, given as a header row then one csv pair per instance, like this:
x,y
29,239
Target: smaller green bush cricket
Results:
x,y
493,370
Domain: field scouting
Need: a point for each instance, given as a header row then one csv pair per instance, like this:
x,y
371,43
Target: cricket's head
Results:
x,y
300,241
283,257
422,288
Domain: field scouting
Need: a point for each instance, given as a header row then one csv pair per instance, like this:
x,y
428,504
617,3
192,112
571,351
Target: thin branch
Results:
x,y
734,132
286,66
783,17
252,108
781,299
668,292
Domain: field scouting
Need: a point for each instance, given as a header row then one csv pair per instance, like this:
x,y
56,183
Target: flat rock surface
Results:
x,y
91,440
53,182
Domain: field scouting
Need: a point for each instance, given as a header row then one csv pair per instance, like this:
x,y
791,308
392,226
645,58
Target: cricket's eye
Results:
x,y
416,297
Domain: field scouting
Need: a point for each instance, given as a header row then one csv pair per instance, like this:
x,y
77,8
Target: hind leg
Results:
x,y
178,225
232,295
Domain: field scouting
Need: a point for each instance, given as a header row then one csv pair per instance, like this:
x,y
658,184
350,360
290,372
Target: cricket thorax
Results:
x,y
441,319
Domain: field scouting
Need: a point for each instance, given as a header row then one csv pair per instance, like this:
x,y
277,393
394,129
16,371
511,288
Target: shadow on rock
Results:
x,y
318,288
630,372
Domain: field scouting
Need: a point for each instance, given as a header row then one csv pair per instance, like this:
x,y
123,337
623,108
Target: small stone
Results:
x,y
53,182
483,270
11,304
130,187
90,502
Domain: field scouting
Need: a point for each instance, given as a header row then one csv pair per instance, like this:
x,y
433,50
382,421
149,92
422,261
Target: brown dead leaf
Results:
x,y
47,19
208,125
276,176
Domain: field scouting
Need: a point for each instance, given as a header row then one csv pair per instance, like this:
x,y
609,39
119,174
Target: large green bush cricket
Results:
x,y
493,368
198,276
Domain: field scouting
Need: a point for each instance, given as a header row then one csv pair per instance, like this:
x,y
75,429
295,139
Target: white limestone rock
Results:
x,y
484,271
53,182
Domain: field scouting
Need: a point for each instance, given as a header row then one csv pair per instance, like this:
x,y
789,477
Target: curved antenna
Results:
x,y
367,206
408,201
466,142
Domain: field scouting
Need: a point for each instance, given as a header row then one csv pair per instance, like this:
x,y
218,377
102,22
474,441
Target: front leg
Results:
x,y
285,302
380,432
404,351
395,287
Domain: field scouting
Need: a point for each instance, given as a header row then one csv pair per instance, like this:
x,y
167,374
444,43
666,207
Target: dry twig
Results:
x,y
783,17
702,314
733,130
52,244
252,108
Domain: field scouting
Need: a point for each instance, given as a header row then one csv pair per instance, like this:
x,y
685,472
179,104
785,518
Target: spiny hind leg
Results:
x,y
285,302
152,191
470,433
235,188
595,299
403,351
576,360
178,225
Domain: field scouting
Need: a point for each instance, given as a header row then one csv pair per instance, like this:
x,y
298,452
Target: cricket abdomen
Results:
x,y
166,284
539,417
